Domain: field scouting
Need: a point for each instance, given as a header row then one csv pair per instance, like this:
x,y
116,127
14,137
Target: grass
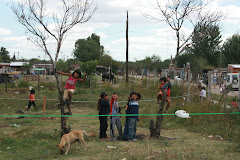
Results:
x,y
37,138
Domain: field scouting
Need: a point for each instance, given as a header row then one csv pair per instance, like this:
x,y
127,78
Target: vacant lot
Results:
x,y
201,137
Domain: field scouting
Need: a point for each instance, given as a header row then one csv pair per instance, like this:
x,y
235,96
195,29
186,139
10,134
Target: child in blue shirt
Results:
x,y
131,121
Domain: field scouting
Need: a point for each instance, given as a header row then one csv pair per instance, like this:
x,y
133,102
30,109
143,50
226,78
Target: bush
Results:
x,y
23,84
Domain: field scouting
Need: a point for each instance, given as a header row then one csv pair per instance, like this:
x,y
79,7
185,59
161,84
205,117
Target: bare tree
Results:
x,y
176,13
43,24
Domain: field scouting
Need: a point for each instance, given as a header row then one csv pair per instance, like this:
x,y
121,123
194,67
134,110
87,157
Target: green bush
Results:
x,y
23,84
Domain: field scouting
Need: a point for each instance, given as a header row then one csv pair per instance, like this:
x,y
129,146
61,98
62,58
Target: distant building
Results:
x,y
4,67
47,67
101,69
18,66
233,68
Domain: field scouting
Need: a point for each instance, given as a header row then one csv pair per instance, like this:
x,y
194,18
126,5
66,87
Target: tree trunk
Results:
x,y
64,128
156,131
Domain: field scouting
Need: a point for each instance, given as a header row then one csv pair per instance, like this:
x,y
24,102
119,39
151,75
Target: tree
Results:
x,y
88,49
62,66
89,67
4,55
106,60
43,24
205,43
176,13
231,50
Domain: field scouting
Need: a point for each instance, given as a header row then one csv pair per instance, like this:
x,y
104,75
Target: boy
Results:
x,y
165,87
131,121
115,120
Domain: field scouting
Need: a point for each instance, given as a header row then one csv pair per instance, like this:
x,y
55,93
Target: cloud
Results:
x,y
4,31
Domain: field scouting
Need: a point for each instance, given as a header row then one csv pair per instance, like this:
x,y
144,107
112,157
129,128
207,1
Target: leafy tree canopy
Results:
x,y
88,49
4,55
231,50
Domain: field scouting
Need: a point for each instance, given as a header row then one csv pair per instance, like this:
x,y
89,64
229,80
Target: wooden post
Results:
x,y
147,78
142,77
154,81
209,84
189,85
44,104
174,74
127,49
38,80
6,82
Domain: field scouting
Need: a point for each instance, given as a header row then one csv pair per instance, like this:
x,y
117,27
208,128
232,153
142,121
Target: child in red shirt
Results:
x,y
234,103
70,86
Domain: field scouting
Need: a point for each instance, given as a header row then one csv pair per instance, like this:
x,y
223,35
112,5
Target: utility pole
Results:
x,y
127,49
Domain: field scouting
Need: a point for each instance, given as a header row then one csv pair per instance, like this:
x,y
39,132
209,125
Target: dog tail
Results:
x,y
93,134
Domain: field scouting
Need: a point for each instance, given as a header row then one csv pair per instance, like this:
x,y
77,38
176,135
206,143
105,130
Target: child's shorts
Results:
x,y
66,96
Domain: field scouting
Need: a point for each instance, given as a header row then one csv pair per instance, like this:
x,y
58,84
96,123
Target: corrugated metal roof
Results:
x,y
235,65
18,64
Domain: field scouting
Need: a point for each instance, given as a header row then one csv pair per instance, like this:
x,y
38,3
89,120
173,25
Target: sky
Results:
x,y
146,36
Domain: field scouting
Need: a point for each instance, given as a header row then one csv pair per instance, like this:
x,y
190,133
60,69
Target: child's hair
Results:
x,y
234,100
132,93
114,93
163,79
203,88
32,91
78,72
139,96
102,95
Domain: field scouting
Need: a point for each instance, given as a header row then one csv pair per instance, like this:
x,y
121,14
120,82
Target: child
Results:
x,y
104,109
115,120
234,103
165,87
70,86
31,99
202,94
131,121
138,96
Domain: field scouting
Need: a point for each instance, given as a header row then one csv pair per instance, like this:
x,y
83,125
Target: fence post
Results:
x,y
209,84
147,78
189,85
44,104
154,81
142,77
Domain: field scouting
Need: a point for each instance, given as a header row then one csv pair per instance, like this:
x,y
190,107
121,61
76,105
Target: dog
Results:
x,y
74,136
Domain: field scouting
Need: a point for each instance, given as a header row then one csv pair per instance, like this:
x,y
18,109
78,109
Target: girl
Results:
x,y
70,86
104,109
115,120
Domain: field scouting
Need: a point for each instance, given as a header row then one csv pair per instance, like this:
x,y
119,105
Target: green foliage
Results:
x,y
106,60
4,55
89,67
231,50
88,49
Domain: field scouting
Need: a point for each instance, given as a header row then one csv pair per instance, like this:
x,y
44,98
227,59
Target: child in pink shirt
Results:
x,y
70,85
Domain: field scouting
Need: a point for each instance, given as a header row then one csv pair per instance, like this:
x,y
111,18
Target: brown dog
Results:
x,y
74,136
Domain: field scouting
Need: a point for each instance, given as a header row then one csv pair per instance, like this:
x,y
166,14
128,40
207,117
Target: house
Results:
x,y
4,67
47,67
233,68
101,69
18,66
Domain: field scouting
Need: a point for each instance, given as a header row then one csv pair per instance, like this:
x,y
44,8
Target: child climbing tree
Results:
x,y
36,16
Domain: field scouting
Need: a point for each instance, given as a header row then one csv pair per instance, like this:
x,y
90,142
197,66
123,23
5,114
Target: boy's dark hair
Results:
x,y
139,96
132,93
234,100
32,91
163,79
114,93
203,88
78,72
102,95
